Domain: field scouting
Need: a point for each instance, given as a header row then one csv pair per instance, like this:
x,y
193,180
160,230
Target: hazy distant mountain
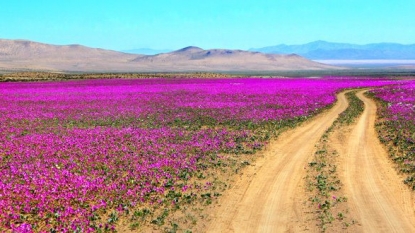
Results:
x,y
320,50
28,55
147,51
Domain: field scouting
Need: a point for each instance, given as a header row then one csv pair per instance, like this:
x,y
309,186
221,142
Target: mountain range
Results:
x,y
323,50
146,51
18,55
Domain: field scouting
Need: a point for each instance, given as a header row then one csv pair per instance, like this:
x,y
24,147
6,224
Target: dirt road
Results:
x,y
269,196
377,198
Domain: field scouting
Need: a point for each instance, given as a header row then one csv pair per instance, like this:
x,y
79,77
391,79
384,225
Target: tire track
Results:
x,y
269,196
376,195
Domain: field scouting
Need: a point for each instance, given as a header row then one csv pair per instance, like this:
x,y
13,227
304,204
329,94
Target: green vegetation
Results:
x,y
395,126
322,180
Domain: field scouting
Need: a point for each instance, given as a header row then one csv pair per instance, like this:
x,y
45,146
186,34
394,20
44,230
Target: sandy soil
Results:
x,y
269,197
377,197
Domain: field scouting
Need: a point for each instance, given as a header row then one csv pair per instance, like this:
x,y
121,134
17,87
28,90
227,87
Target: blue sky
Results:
x,y
234,24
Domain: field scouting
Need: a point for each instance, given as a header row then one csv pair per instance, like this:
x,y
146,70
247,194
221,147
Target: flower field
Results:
x,y
396,126
77,155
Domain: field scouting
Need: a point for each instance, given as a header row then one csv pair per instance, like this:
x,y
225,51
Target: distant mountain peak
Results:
x,y
190,49
323,50
320,42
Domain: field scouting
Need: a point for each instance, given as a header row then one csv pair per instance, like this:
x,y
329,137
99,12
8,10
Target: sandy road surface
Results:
x,y
377,198
269,196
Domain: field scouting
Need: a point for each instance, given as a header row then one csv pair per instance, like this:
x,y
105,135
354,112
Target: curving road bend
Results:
x,y
269,197
377,197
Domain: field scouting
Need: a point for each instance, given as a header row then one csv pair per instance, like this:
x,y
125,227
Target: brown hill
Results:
x,y
28,55
194,58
